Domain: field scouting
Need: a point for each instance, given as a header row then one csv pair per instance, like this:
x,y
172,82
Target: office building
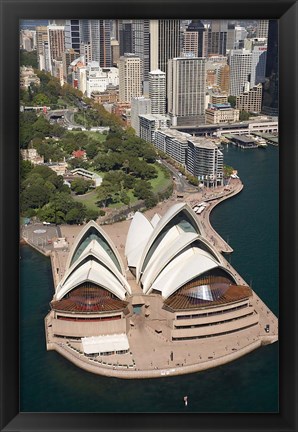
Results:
x,y
68,56
240,36
217,37
141,47
270,89
250,101
195,39
56,43
86,52
115,48
258,62
100,40
165,42
125,37
224,78
186,90
157,91
231,37
130,77
240,71
41,37
72,34
262,28
139,105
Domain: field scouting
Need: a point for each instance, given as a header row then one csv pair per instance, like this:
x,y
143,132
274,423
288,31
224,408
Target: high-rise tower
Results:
x,y
157,91
186,90
130,77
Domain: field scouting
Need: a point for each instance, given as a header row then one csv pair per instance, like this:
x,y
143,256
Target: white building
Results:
x,y
130,77
240,70
173,143
204,160
258,63
186,89
98,79
157,91
262,28
139,105
150,123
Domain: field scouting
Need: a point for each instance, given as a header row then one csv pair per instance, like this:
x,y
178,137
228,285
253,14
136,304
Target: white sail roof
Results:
x,y
182,269
102,236
164,256
156,218
92,271
139,231
169,215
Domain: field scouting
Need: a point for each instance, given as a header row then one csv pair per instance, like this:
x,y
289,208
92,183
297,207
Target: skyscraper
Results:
x,y
270,89
125,37
240,71
186,88
165,42
217,37
68,56
157,91
258,62
130,77
262,28
100,39
56,43
41,37
141,47
72,34
195,39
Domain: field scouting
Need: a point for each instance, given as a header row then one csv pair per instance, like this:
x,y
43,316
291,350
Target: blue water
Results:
x,y
249,221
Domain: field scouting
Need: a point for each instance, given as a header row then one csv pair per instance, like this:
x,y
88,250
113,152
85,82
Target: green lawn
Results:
x,y
88,199
97,136
161,182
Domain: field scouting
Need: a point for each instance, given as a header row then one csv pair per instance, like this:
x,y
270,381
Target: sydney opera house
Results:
x,y
167,288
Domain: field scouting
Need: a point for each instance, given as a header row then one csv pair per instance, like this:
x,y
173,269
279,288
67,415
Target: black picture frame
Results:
x,y
11,12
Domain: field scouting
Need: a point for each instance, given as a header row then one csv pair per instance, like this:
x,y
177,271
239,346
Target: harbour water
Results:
x,y
249,222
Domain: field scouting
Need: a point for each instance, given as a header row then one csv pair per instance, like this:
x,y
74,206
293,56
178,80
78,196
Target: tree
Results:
x,y
41,99
28,58
106,193
80,186
142,189
25,168
92,214
76,214
244,115
92,149
228,170
232,101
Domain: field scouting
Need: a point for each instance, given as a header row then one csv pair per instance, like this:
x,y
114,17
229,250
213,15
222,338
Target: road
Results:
x,y
182,184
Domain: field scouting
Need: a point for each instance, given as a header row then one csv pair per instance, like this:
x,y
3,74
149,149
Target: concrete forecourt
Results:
x,y
153,296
